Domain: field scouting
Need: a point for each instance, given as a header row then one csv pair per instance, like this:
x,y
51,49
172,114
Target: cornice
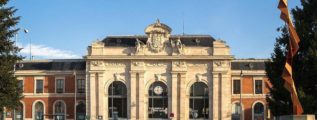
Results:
x,y
47,72
159,57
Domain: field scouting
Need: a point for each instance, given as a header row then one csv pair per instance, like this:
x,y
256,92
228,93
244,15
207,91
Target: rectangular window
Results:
x,y
236,87
80,86
39,86
258,87
20,84
59,85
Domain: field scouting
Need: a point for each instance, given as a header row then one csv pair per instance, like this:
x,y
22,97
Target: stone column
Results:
x,y
132,111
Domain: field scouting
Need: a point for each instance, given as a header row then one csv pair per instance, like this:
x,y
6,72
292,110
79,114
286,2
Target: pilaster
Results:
x,y
100,96
173,103
177,90
141,96
92,96
132,99
225,96
182,96
215,96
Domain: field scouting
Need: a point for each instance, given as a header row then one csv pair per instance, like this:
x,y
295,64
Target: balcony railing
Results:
x,y
59,90
39,90
81,90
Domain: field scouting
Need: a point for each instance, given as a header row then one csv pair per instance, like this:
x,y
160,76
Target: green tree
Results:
x,y
10,93
304,63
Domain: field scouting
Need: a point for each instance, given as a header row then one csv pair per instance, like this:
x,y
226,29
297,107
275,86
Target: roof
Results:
x,y
187,40
249,64
61,64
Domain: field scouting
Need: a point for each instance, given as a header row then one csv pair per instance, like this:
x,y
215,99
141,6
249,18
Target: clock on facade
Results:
x,y
158,90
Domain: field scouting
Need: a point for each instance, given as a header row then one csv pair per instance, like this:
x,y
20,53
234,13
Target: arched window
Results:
x,y
198,102
158,100
258,111
236,111
117,100
59,110
18,112
80,110
38,111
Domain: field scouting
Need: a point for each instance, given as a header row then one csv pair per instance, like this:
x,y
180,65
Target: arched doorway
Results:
x,y
158,100
18,112
59,110
236,111
38,111
80,110
258,111
117,100
199,101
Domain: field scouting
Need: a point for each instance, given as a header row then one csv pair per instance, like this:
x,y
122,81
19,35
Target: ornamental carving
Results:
x,y
139,46
221,63
178,45
155,64
114,64
197,65
158,33
199,77
156,42
179,64
116,76
157,77
138,63
97,63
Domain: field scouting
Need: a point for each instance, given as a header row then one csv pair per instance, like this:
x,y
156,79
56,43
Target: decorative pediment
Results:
x,y
158,34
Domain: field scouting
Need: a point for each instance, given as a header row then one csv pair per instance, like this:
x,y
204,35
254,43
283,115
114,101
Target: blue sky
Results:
x,y
64,28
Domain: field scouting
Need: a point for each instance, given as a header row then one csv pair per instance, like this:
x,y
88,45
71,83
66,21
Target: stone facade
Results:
x,y
164,57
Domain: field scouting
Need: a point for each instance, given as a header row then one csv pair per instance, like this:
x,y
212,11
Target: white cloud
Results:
x,y
46,52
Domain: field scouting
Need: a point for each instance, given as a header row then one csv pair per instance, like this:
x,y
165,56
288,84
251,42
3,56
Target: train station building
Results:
x,y
157,75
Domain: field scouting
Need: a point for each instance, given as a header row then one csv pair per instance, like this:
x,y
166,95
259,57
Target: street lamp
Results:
x,y
250,67
240,105
27,31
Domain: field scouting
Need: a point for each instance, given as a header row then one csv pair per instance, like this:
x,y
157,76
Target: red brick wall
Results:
x,y
266,87
247,85
28,84
70,84
49,84
247,106
248,88
49,87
